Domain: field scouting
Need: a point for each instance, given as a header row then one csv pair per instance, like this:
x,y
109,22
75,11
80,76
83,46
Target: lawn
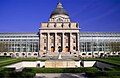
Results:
x,y
7,61
111,60
90,72
4,58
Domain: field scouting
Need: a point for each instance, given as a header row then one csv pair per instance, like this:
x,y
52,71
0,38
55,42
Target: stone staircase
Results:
x,y
64,55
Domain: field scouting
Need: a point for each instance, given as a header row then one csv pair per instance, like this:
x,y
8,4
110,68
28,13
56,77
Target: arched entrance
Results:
x,y
38,65
5,54
66,49
52,49
59,49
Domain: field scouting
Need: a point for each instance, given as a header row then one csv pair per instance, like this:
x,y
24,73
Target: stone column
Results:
x,y
71,42
78,39
56,48
40,42
48,41
63,41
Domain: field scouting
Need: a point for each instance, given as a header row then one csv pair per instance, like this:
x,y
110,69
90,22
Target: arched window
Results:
x,y
38,65
35,54
23,54
29,54
96,53
83,53
5,54
59,20
11,53
17,54
89,54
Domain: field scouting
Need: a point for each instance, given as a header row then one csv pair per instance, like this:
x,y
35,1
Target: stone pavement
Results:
x,y
60,75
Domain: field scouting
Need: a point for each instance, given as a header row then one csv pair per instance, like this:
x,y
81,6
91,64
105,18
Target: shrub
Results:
x,y
103,73
59,70
10,73
109,69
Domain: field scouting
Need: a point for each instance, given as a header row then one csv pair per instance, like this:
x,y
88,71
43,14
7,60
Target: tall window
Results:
x,y
74,48
45,40
44,47
73,40
67,40
52,40
59,20
59,40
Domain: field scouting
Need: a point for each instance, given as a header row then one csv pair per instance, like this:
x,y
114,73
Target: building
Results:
x,y
95,44
19,44
60,36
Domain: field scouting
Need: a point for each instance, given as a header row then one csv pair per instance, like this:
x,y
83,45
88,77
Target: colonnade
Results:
x,y
63,45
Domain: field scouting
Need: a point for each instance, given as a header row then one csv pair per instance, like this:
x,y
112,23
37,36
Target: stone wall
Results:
x,y
59,64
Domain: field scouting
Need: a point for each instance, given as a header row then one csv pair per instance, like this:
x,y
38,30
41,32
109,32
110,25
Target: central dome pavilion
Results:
x,y
59,10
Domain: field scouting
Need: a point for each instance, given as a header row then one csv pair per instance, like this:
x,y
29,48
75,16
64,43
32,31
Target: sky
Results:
x,y
92,15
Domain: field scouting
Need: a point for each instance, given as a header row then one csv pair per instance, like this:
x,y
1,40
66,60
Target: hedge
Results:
x,y
30,72
10,73
103,73
59,70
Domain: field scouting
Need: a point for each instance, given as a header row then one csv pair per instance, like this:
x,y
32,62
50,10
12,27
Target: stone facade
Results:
x,y
59,64
59,34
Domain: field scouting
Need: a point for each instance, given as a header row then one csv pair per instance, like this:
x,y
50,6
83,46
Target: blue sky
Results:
x,y
92,15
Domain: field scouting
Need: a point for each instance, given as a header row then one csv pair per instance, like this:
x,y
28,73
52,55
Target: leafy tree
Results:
x,y
3,47
115,46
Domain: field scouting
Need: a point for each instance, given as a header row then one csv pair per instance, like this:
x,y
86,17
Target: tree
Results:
x,y
115,46
3,47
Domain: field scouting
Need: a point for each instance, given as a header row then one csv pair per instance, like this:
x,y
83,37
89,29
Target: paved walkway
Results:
x,y
61,75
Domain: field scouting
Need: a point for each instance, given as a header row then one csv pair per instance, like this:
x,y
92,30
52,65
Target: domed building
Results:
x,y
59,14
59,37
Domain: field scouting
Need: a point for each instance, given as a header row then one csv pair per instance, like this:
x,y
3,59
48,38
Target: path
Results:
x,y
61,75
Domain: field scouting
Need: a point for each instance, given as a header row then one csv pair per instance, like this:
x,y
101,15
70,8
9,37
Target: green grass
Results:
x,y
4,58
90,72
111,60
98,74
8,61
109,72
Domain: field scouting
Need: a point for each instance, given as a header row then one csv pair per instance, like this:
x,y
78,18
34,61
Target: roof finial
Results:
x,y
59,5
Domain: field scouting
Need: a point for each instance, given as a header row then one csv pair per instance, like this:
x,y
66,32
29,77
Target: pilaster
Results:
x,y
56,48
48,41
63,45
78,37
71,42
41,42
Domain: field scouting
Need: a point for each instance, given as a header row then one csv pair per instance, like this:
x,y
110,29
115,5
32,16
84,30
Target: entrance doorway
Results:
x,y
66,49
59,49
52,49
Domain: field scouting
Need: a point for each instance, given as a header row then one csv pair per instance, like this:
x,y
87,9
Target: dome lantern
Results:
x,y
59,14
59,10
